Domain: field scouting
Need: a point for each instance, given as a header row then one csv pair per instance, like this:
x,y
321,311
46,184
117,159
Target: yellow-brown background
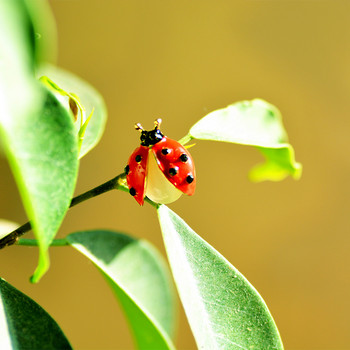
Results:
x,y
180,60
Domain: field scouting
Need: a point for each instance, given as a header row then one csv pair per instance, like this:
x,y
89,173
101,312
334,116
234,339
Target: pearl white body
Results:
x,y
158,188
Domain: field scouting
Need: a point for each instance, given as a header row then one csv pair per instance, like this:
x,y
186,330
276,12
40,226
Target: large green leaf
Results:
x,y
35,131
140,279
26,325
43,154
90,98
44,26
17,61
21,46
223,308
255,123
19,92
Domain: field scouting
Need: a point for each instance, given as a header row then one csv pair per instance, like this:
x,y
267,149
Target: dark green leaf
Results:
x,y
89,97
140,279
255,123
26,325
223,308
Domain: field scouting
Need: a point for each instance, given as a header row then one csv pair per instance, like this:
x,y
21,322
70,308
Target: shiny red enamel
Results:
x,y
136,177
172,160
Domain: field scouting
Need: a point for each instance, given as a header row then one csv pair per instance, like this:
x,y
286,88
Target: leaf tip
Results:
x,y
42,268
298,170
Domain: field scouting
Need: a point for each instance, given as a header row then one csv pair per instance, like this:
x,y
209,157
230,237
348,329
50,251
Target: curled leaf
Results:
x,y
255,123
89,101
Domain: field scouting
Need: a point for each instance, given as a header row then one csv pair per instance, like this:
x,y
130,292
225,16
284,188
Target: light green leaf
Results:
x,y
36,139
44,29
255,123
17,60
223,308
19,92
280,162
89,97
139,278
42,152
25,325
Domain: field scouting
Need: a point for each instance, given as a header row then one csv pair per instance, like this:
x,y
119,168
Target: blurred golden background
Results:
x,y
180,60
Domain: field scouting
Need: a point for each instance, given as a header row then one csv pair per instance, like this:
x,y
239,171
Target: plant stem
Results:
x,y
114,184
185,139
117,183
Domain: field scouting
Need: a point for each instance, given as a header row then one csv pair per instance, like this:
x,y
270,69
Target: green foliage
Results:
x,y
25,325
36,132
43,142
140,280
223,308
255,123
43,153
90,99
20,94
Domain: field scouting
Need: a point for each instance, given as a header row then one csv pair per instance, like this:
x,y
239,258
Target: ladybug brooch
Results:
x,y
161,168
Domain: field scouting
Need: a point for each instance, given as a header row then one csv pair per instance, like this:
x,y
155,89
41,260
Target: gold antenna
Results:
x,y
157,123
139,127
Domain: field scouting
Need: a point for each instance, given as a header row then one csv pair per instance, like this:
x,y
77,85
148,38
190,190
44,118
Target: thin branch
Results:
x,y
113,184
117,183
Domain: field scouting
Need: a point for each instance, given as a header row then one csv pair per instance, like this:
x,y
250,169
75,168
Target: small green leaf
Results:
x,y
223,308
139,278
26,325
89,98
58,90
255,123
42,152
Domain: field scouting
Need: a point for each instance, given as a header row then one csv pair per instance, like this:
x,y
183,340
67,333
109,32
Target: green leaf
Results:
x,y
223,308
37,141
44,30
26,325
42,152
255,123
19,92
20,50
279,163
139,278
89,97
17,61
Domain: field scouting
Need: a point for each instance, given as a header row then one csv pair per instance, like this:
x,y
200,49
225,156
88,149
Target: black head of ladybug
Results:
x,y
150,138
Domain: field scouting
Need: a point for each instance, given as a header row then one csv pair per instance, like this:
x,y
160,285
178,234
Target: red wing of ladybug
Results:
x,y
136,173
176,164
